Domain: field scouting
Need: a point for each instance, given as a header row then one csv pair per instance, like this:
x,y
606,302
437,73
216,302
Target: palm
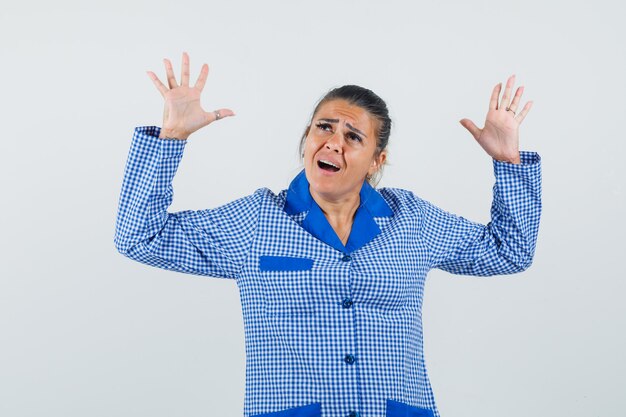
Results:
x,y
500,135
183,110
183,114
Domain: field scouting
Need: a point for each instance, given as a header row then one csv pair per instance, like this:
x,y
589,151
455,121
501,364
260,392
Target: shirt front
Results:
x,y
331,330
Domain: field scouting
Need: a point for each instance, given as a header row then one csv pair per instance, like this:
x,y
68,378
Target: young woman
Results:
x,y
330,271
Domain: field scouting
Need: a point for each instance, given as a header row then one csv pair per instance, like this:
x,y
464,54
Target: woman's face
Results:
x,y
340,150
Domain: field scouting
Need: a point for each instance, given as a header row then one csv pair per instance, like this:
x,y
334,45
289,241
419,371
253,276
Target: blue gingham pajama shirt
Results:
x,y
330,330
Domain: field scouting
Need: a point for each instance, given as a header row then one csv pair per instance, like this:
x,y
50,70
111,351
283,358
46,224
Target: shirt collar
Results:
x,y
364,228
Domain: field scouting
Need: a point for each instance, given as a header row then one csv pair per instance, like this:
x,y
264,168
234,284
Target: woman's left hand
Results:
x,y
500,136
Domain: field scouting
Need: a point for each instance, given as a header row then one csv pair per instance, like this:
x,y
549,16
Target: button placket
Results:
x,y
349,358
347,301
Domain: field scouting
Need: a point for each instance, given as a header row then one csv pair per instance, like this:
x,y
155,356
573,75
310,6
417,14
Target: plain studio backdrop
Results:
x,y
85,331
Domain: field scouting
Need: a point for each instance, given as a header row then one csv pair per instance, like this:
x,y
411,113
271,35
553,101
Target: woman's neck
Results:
x,y
339,213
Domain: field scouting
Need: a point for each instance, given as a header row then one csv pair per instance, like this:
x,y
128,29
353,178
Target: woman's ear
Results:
x,y
377,163
303,140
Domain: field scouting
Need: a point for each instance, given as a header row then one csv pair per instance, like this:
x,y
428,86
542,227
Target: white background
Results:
x,y
86,332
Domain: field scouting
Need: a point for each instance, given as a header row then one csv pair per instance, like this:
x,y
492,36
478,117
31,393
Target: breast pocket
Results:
x,y
400,409
309,410
288,284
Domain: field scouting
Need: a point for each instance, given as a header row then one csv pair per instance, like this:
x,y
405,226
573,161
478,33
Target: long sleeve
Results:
x,y
507,243
211,242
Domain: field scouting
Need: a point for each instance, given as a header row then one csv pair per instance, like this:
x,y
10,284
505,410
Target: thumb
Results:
x,y
469,125
219,114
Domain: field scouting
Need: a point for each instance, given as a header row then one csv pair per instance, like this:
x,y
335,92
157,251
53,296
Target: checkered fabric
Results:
x,y
330,330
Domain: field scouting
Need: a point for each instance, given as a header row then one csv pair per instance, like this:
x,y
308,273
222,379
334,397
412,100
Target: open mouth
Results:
x,y
327,165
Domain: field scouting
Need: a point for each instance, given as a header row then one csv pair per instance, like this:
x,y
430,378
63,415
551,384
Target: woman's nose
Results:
x,y
334,143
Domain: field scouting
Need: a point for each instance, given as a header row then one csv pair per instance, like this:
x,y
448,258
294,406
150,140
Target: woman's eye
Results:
x,y
355,137
324,126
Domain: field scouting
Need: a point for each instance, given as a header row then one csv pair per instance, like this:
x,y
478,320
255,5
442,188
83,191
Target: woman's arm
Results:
x,y
507,243
207,242
211,242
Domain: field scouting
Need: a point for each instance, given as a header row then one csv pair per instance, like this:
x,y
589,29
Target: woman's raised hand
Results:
x,y
183,113
500,135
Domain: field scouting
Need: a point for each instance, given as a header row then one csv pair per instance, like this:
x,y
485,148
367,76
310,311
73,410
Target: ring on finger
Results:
x,y
509,109
217,114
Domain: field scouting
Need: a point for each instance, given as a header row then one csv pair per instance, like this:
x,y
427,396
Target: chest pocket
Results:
x,y
288,285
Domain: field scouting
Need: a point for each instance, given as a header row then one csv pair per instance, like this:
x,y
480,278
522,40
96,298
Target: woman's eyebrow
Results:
x,y
354,129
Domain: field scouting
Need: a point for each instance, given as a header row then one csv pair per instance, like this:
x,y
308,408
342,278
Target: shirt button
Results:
x,y
349,359
354,414
346,258
346,303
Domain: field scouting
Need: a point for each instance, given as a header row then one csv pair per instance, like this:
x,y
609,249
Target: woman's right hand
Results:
x,y
183,113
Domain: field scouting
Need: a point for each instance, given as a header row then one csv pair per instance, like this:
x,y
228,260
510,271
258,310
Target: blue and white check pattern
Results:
x,y
330,330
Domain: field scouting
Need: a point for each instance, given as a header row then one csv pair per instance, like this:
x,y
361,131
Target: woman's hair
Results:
x,y
367,100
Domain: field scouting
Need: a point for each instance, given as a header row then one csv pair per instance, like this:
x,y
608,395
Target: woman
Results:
x,y
330,271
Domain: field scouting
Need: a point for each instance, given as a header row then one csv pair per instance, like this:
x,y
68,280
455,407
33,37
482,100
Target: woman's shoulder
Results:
x,y
402,199
266,197
400,194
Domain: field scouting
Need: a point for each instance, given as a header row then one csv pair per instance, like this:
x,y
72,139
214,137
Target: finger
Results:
x,y
159,85
520,117
171,80
493,103
469,125
507,92
204,72
219,114
516,98
184,78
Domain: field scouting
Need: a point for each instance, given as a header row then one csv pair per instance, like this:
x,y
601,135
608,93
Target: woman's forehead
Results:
x,y
346,112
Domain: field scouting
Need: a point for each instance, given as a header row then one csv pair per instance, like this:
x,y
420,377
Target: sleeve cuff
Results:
x,y
526,158
529,161
529,157
169,147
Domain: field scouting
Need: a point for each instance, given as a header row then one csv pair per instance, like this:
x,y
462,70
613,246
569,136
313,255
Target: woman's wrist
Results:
x,y
511,159
172,134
